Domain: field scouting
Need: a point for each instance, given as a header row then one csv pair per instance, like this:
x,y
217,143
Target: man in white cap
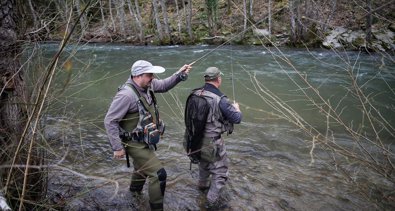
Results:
x,y
134,128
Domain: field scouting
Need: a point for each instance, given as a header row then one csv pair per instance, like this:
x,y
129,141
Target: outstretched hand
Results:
x,y
119,154
185,69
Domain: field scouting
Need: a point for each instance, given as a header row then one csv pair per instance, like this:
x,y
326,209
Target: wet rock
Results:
x,y
341,37
3,203
261,32
392,27
281,156
383,39
331,41
327,207
99,200
353,39
272,185
100,35
56,129
284,205
215,40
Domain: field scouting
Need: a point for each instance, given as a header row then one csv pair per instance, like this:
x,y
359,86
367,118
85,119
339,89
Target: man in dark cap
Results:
x,y
221,117
132,123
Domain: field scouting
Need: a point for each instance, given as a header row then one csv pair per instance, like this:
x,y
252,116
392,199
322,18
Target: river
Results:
x,y
277,161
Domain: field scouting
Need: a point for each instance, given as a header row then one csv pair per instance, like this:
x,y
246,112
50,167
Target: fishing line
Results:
x,y
226,42
212,50
230,39
233,76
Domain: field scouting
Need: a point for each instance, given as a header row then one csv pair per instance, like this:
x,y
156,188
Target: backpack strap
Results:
x,y
154,112
144,103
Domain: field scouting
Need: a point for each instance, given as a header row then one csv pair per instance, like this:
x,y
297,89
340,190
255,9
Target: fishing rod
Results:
x,y
231,64
226,42
233,81
206,54
212,50
231,68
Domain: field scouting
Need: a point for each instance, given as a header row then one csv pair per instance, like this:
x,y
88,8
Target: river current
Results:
x,y
275,161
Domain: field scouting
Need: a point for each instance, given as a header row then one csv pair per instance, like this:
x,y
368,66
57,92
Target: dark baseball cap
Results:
x,y
212,73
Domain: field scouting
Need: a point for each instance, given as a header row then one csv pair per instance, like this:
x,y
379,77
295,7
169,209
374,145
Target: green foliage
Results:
x,y
212,5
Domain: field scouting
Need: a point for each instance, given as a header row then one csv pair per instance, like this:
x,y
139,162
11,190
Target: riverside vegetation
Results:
x,y
330,23
338,25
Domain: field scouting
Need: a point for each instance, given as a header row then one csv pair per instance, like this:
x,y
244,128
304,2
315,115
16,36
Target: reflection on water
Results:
x,y
272,166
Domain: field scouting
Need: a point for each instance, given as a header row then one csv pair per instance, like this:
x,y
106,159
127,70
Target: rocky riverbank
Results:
x,y
338,38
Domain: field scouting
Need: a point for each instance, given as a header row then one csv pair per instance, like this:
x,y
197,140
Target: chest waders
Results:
x,y
213,165
202,124
140,139
144,125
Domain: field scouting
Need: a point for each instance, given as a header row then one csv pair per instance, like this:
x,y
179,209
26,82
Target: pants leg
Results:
x,y
138,179
204,175
215,163
219,171
147,165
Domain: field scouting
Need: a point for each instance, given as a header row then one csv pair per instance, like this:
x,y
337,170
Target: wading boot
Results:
x,y
136,190
216,205
203,186
156,207
215,201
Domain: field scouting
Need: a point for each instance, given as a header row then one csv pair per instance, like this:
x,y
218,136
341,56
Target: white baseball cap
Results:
x,y
142,66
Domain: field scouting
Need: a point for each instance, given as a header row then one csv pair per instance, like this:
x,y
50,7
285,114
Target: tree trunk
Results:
x,y
178,17
309,13
251,11
245,16
228,6
270,17
139,20
132,12
165,18
189,18
211,8
157,20
114,29
369,22
83,19
103,19
333,10
135,12
119,7
61,6
13,112
291,5
12,86
299,26
35,22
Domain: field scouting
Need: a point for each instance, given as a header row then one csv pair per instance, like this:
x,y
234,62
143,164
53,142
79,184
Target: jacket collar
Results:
x,y
211,88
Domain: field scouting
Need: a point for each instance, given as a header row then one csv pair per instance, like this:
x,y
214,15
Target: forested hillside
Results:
x,y
352,24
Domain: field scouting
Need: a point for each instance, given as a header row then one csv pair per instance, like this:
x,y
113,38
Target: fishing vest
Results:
x,y
216,123
145,124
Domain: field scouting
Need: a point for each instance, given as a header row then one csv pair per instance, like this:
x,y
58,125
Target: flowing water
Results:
x,y
272,165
